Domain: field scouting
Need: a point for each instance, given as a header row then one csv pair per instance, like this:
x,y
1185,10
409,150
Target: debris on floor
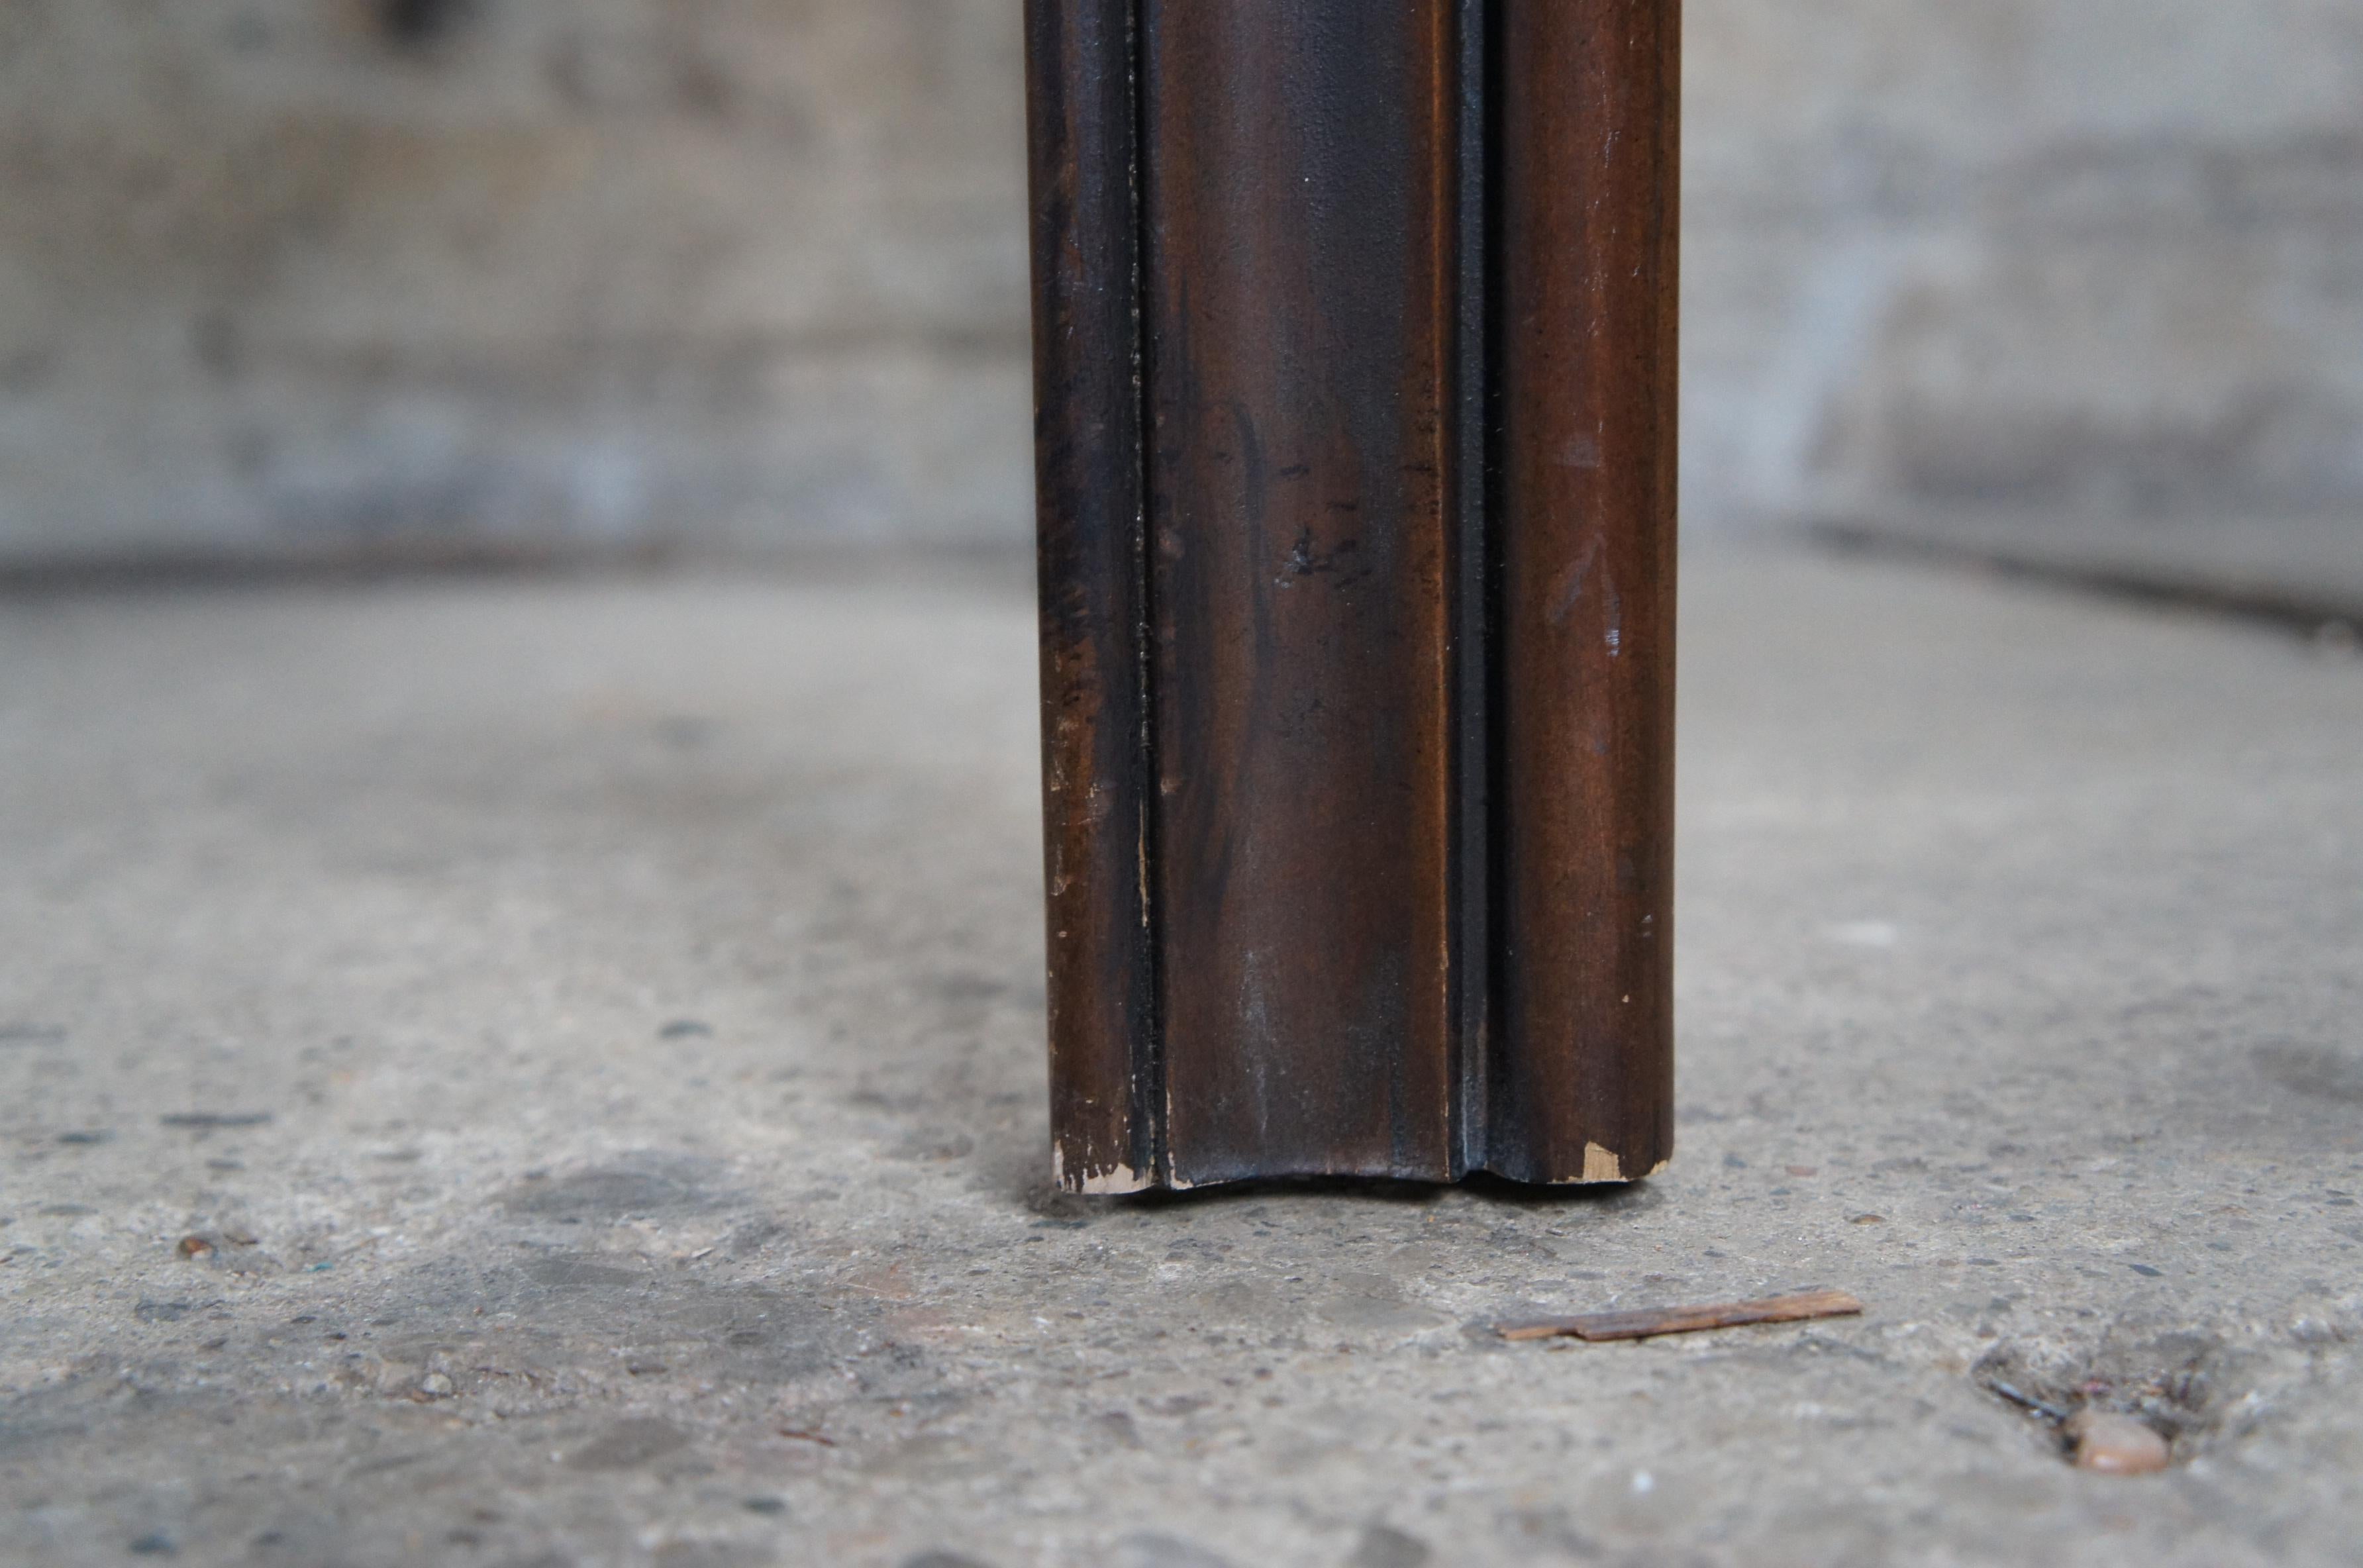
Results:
x,y
1649,1322
2114,1444
2135,1403
2028,1401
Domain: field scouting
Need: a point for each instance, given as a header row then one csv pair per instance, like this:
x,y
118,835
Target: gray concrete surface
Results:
x,y
596,1028
2303,572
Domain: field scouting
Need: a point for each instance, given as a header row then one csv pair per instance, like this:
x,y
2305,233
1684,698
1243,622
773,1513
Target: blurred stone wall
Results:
x,y
2072,255
298,272
293,271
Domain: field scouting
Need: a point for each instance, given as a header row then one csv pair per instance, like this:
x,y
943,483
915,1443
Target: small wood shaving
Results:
x,y
1649,1322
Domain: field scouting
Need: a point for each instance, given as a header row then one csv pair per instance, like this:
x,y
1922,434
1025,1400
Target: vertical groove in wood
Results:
x,y
1472,894
1105,1105
1298,239
1152,1096
1588,129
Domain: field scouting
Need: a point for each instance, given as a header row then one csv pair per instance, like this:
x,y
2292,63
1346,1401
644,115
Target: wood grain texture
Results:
x,y
1354,357
1300,316
1107,1106
1588,139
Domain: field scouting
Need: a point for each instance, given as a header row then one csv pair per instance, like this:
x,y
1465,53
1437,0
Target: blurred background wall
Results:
x,y
292,275
2075,255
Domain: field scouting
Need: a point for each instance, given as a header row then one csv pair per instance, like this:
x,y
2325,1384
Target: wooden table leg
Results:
x,y
1355,374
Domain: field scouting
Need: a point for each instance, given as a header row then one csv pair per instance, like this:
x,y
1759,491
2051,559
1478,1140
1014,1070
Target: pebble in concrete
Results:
x,y
2115,1445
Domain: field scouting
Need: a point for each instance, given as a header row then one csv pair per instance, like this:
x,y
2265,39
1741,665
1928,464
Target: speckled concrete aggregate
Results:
x,y
596,1029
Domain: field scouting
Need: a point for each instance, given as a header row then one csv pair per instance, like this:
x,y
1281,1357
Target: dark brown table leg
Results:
x,y
1354,357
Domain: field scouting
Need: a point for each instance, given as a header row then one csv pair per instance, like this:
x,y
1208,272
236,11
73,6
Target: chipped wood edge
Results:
x,y
1603,1167
1113,1181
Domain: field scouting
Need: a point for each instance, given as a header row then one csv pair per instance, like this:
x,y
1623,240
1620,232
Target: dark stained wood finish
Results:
x,y
1105,1105
1588,137
1354,360
1299,250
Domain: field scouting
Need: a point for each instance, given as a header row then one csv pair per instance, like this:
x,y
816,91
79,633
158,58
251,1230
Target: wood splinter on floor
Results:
x,y
1649,1322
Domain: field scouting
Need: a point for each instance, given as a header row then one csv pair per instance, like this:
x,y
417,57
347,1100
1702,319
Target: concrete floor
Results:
x,y
595,1029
